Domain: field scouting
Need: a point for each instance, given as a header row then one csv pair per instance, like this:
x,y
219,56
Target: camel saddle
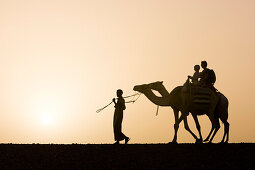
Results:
x,y
201,95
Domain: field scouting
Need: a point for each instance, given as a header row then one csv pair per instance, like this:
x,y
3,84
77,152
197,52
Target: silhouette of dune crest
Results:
x,y
133,156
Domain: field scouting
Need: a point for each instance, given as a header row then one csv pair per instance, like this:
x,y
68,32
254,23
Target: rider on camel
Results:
x,y
196,75
206,77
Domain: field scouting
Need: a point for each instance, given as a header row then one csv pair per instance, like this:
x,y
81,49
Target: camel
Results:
x,y
194,100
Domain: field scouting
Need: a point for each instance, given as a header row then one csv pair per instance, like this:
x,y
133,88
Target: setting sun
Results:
x,y
47,119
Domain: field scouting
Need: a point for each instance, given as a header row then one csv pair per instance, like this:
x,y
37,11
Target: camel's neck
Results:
x,y
158,86
162,90
161,101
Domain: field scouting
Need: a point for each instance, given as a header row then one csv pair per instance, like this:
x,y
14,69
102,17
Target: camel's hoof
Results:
x,y
206,140
209,142
199,140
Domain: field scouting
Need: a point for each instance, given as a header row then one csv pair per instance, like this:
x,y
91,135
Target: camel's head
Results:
x,y
155,86
141,88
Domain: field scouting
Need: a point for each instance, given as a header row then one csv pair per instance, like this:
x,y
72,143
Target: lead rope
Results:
x,y
157,110
132,101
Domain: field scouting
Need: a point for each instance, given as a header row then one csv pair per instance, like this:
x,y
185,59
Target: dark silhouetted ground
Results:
x,y
132,156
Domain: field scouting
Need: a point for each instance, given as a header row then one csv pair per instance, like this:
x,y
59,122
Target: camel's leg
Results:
x,y
176,125
225,132
209,135
186,126
226,129
217,127
198,127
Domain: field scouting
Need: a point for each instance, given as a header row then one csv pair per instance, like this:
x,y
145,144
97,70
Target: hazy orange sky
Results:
x,y
61,60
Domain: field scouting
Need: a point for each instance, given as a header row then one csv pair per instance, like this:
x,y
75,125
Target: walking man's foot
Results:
x,y
116,143
126,140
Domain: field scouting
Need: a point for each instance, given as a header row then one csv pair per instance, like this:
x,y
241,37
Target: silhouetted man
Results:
x,y
207,77
118,117
204,74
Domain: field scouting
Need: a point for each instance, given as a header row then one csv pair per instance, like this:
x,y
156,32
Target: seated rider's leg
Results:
x,y
212,87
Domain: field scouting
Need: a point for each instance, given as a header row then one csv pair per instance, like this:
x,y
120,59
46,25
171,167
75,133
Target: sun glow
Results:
x,y
47,119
